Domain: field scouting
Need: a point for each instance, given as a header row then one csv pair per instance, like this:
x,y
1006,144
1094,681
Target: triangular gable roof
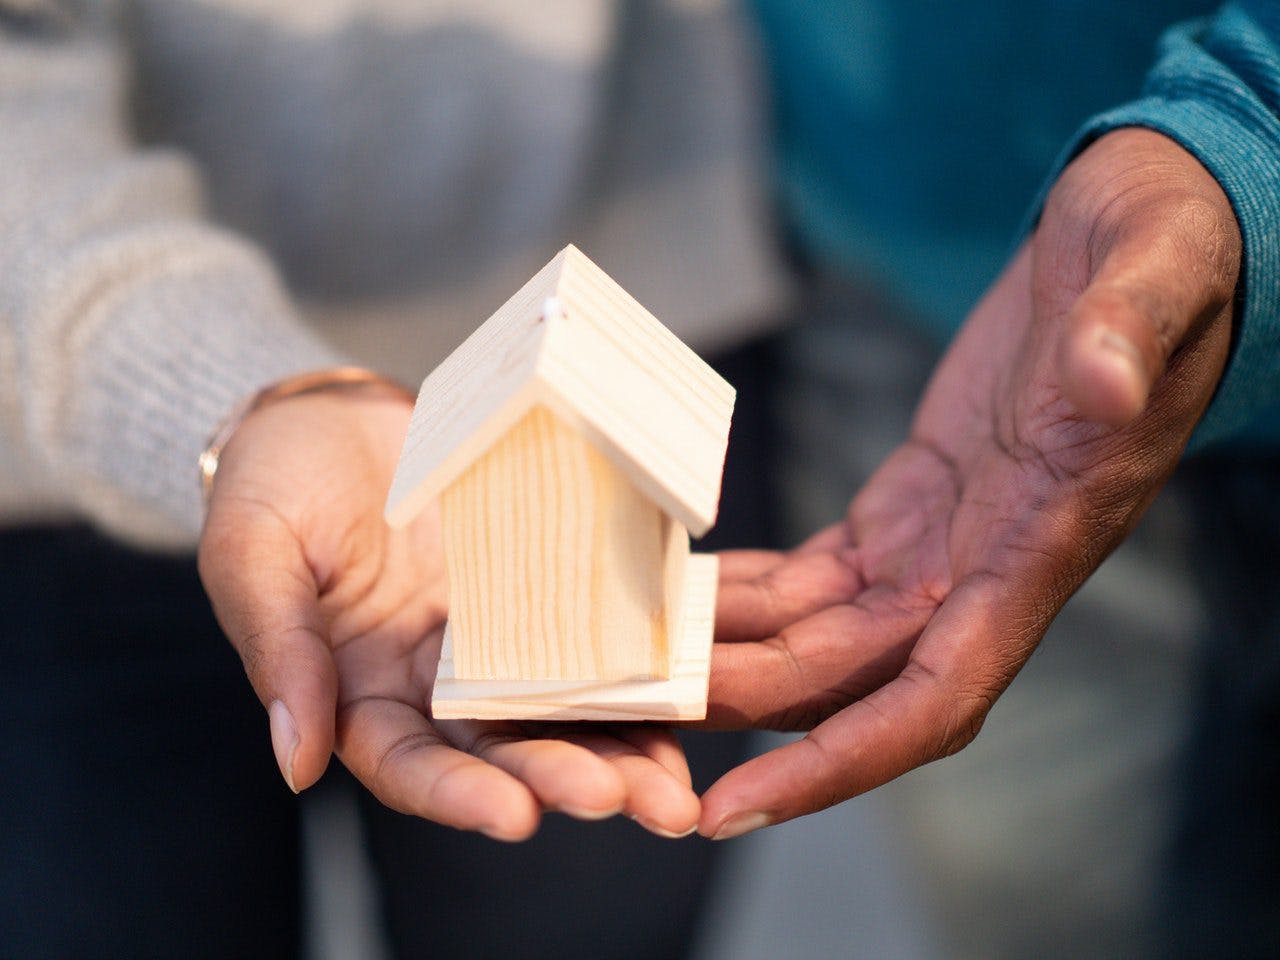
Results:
x,y
575,341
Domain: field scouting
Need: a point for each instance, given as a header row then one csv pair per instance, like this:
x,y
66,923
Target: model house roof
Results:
x,y
573,340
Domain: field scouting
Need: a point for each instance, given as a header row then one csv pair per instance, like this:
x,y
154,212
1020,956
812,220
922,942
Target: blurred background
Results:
x,y
812,195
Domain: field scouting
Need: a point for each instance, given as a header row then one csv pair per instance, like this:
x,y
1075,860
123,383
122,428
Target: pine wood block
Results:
x,y
573,443
682,696
559,564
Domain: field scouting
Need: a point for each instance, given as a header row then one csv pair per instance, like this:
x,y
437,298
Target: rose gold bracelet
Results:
x,y
342,378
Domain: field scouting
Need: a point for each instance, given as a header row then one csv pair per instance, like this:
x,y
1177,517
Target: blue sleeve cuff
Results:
x,y
1220,114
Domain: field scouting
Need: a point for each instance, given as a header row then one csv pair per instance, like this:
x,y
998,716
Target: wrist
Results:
x,y
334,380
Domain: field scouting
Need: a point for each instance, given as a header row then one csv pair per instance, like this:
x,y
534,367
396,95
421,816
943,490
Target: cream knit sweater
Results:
x,y
198,197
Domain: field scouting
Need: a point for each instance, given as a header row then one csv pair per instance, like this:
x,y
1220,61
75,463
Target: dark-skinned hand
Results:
x,y
1057,413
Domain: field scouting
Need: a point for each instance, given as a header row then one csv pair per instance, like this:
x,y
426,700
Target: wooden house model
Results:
x,y
573,444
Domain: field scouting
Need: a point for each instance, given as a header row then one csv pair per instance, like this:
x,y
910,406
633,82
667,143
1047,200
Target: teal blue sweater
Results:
x,y
913,134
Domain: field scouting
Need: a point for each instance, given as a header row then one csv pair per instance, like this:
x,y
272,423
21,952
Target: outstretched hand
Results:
x,y
1058,412
339,620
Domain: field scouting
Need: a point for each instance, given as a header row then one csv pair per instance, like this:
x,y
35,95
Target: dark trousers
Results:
x,y
1222,879
141,813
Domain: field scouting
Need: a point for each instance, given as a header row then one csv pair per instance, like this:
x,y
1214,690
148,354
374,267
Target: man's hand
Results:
x,y
338,620
1056,415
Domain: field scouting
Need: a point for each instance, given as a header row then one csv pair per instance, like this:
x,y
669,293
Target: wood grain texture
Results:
x,y
573,442
558,566
605,365
683,696
650,403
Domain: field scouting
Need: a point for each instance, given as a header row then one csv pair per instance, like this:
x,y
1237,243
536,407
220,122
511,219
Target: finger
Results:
x,y
747,564
656,799
835,537
392,749
932,709
661,745
800,586
1155,284
563,776
816,666
265,599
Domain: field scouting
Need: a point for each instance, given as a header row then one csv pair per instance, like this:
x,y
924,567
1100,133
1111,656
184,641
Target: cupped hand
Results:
x,y
1057,413
339,620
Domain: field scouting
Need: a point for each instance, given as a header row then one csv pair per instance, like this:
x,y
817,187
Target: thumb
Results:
x,y
265,598
1152,289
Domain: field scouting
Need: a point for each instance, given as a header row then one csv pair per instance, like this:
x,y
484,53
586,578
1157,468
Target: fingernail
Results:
x,y
739,824
662,831
586,813
1121,347
284,739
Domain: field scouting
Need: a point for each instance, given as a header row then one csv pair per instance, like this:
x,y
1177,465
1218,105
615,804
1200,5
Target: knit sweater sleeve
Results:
x,y
129,325
1215,89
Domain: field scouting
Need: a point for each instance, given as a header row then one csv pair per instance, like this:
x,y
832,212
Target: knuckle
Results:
x,y
965,723
253,656
268,654
1207,241
826,791
961,728
1194,215
805,714
487,742
962,716
773,596
384,767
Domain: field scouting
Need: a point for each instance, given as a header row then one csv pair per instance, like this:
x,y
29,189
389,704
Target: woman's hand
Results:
x,y
339,619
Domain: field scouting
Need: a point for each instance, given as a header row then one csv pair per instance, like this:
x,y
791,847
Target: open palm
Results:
x,y
1054,418
339,620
